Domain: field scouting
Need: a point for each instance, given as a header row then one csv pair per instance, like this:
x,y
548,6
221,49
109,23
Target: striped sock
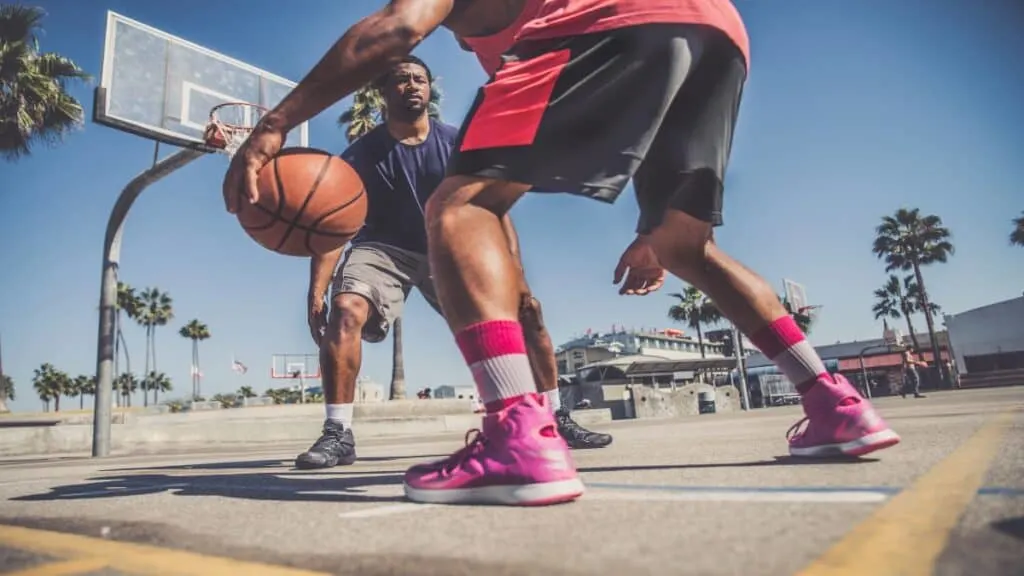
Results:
x,y
783,342
496,354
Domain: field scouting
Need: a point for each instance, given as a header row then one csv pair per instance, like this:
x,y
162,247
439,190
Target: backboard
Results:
x,y
294,366
796,294
161,87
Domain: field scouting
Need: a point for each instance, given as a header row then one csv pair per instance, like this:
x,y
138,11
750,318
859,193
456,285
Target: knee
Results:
x,y
349,313
684,256
683,244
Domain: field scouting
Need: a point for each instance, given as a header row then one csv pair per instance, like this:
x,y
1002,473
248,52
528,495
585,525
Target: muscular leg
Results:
x,y
341,350
341,354
476,277
686,248
523,460
538,343
545,373
839,420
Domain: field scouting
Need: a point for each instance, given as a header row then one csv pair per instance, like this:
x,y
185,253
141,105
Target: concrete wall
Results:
x,y
990,329
175,432
651,403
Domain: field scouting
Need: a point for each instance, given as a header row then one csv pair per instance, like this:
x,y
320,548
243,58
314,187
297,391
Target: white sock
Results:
x,y
554,399
341,413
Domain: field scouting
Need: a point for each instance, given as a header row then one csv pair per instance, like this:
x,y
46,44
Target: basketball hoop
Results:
x,y
230,124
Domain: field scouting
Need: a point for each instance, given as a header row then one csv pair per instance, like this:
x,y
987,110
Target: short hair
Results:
x,y
410,59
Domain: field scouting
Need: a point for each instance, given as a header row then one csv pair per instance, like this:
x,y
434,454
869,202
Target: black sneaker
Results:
x,y
577,436
336,447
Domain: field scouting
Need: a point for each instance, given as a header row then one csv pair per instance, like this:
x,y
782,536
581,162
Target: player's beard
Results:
x,y
409,112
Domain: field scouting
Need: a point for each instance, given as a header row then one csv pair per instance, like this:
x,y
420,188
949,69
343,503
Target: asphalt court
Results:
x,y
705,495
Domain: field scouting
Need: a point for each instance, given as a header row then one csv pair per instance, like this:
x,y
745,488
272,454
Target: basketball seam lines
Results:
x,y
318,221
305,203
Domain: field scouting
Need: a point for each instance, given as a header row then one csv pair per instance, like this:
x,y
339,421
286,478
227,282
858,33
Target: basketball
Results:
x,y
311,202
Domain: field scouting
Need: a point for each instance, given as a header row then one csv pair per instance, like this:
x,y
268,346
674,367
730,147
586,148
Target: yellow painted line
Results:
x,y
906,536
134,558
65,568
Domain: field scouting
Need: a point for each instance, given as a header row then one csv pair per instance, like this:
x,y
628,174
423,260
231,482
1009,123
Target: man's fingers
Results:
x,y
620,269
252,191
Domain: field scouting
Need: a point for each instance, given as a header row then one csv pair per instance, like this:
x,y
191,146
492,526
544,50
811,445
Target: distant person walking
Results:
x,y
911,375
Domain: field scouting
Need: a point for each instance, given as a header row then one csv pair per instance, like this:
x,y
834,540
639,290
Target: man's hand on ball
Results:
x,y
258,149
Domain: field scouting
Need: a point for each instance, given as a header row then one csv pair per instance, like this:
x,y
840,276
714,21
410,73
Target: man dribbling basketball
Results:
x,y
401,163
593,93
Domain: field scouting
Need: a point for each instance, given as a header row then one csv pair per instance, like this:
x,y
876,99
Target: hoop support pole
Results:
x,y
108,293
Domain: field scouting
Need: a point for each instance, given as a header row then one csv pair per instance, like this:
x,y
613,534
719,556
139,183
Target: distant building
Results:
x,y
369,391
988,339
874,359
446,391
664,344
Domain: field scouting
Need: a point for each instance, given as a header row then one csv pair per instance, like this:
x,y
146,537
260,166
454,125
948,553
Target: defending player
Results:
x,y
592,94
401,163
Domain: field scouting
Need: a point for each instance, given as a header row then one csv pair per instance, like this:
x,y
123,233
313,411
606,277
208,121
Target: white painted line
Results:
x,y
386,510
851,497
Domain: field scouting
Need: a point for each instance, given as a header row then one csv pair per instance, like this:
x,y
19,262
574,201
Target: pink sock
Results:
x,y
784,343
496,354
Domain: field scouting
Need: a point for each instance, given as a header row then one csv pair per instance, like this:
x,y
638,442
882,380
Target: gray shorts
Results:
x,y
384,275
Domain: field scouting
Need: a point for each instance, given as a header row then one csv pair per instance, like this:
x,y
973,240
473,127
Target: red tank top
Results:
x,y
559,18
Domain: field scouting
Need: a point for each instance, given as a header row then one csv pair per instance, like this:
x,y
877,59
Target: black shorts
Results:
x,y
584,114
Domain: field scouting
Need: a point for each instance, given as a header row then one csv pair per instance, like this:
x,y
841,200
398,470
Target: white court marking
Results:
x,y
605,494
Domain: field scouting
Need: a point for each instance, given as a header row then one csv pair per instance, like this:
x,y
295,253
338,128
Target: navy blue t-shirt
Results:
x,y
398,179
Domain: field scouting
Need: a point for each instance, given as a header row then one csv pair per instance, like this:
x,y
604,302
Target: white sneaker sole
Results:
x,y
858,447
519,495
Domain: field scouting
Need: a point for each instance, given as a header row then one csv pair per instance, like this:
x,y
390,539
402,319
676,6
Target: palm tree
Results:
x,y
34,103
694,309
1017,236
246,392
195,331
155,310
157,382
126,384
50,384
6,392
907,241
86,386
127,302
397,363
366,112
73,390
893,300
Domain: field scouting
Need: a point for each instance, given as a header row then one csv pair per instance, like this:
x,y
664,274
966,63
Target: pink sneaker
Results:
x,y
839,423
519,459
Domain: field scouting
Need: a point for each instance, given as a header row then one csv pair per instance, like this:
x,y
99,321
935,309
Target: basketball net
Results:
x,y
230,124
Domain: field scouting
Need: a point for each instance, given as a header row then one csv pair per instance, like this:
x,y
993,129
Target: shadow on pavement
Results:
x,y
285,464
255,486
778,461
1011,527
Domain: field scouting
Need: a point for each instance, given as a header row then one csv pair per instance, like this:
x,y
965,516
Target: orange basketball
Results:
x,y
311,202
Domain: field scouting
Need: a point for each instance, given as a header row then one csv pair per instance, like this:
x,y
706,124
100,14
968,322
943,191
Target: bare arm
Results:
x,y
321,270
362,54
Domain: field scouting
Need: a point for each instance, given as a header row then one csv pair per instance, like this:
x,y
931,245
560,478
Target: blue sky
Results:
x,y
853,109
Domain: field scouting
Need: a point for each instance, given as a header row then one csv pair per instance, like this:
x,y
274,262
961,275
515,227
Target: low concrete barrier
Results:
x,y
167,432
684,401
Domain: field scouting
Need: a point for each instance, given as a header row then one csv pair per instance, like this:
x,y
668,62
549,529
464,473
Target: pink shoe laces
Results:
x,y
795,431
475,442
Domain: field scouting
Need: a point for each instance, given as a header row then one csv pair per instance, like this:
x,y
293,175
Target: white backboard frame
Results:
x,y
102,113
